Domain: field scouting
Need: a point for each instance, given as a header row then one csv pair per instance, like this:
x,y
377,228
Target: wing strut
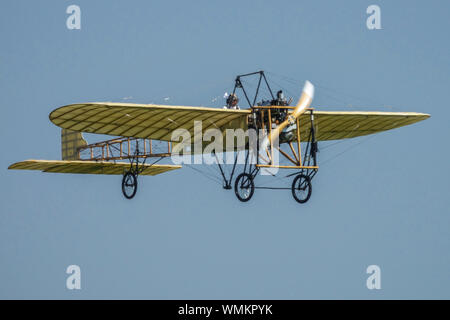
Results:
x,y
227,182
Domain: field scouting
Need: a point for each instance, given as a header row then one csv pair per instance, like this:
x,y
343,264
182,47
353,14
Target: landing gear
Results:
x,y
301,188
129,184
130,177
244,187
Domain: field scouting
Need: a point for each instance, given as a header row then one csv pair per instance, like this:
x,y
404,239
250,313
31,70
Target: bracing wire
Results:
x,y
206,175
347,149
334,94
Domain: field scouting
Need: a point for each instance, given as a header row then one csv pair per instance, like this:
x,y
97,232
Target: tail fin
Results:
x,y
71,141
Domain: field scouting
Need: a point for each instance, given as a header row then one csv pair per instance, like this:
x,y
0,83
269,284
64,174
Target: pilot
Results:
x,y
232,102
281,100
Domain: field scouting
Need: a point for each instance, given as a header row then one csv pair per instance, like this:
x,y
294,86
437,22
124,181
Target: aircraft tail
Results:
x,y
71,141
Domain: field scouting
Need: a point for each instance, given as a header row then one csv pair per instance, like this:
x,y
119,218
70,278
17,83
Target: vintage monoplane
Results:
x,y
292,132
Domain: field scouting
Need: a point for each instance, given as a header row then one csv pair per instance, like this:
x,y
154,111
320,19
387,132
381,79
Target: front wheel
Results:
x,y
244,187
129,184
301,188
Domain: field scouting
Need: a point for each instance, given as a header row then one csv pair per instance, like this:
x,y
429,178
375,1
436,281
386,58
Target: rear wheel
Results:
x,y
301,188
244,187
129,184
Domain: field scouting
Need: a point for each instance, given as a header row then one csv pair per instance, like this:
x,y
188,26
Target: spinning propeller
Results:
x,y
303,103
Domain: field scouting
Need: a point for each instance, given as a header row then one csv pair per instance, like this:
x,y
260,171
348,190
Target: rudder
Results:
x,y
71,142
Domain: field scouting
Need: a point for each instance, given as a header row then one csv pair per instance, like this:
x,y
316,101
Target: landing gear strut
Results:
x,y
130,177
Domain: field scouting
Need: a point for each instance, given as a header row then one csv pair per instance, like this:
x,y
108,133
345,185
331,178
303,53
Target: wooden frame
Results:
x,y
296,157
114,149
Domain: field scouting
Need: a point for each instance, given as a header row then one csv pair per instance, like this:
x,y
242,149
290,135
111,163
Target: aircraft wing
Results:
x,y
336,125
157,122
89,167
147,121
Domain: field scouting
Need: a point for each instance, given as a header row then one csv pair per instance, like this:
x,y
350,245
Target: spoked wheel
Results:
x,y
301,188
129,184
244,187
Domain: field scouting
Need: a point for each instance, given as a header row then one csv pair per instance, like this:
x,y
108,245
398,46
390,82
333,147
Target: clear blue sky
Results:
x,y
384,202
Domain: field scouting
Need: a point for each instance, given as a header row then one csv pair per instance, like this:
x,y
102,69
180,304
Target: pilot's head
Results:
x,y
280,95
232,100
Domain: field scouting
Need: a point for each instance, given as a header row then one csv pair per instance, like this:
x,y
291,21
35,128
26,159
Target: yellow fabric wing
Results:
x,y
148,121
158,122
88,167
336,125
